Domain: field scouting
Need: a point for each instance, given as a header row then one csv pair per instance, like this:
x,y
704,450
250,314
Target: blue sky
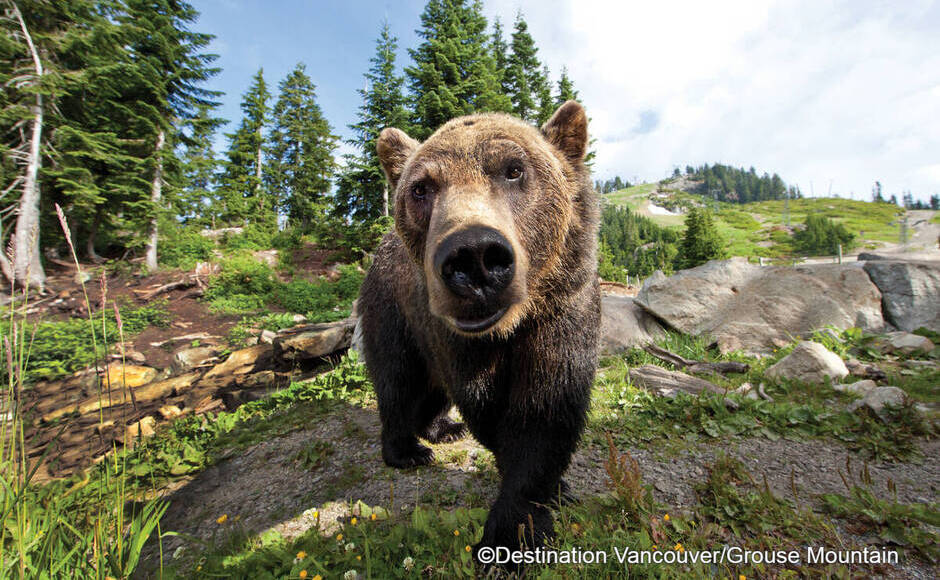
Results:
x,y
831,94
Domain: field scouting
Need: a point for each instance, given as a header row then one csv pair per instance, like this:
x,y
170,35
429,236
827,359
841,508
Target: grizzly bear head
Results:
x,y
489,208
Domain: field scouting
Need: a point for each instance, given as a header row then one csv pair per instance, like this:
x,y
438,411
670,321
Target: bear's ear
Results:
x,y
394,148
567,130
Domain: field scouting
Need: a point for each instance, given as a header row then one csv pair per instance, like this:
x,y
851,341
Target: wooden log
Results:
x,y
695,366
669,383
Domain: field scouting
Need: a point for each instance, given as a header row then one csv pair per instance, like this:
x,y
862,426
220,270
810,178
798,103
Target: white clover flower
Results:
x,y
350,547
350,575
408,563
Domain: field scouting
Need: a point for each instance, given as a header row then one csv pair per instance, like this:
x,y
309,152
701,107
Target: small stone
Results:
x,y
142,429
810,362
267,336
170,412
880,397
860,388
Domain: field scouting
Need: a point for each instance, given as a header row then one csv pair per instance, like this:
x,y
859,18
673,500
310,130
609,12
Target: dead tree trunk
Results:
x,y
385,201
156,193
27,266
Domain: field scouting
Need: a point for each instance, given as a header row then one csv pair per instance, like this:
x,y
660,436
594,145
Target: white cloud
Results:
x,y
818,91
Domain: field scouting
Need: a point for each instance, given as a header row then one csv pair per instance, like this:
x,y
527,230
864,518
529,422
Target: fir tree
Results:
x,y
454,72
361,191
701,241
566,90
300,162
199,167
241,190
171,66
500,55
525,80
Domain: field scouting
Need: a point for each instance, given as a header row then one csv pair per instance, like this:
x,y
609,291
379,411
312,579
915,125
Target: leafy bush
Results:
x,y
183,247
322,300
253,237
243,285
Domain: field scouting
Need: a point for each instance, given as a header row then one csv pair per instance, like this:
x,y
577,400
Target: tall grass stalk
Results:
x,y
86,528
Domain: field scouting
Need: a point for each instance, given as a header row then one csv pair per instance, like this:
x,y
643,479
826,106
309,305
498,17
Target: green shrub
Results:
x,y
183,247
322,300
253,237
822,236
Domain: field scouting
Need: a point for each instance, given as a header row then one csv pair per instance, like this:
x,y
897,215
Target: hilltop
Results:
x,y
765,228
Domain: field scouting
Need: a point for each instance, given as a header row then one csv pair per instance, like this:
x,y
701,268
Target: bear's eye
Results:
x,y
419,190
513,172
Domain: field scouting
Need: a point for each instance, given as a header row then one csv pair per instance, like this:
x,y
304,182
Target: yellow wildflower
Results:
x,y
318,577
372,517
359,557
303,573
339,537
666,518
467,549
456,532
222,519
742,577
353,521
301,555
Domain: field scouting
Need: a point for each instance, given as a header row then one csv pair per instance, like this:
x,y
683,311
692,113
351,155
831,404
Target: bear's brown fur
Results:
x,y
486,296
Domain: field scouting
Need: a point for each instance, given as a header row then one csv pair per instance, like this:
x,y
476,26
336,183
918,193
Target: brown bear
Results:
x,y
486,296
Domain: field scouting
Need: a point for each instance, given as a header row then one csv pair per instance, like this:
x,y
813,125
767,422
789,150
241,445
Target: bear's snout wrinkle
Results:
x,y
476,263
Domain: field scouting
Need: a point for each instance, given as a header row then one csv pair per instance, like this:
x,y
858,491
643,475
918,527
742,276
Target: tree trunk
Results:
x,y
92,236
156,192
385,200
27,266
258,178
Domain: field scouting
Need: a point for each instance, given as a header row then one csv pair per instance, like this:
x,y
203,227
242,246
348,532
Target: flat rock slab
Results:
x,y
757,309
667,383
313,340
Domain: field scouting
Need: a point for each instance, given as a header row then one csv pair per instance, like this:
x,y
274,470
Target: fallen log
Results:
x,y
695,366
669,383
179,284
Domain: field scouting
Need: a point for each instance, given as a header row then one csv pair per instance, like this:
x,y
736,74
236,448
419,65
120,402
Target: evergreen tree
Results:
x,y
199,165
171,66
935,202
701,241
876,195
241,190
361,191
525,79
454,72
500,56
822,236
566,90
300,162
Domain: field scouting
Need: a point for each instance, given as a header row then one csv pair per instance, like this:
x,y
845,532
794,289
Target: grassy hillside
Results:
x,y
760,228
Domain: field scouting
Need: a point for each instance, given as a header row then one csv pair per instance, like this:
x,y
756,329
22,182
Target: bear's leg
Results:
x,y
400,378
438,427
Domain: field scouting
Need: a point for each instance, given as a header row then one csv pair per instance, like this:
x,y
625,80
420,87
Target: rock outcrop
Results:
x,y
910,292
624,324
757,309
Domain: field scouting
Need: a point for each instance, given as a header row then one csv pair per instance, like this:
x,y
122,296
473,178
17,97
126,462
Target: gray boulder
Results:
x,y
910,292
187,359
313,340
860,388
878,398
905,343
757,309
624,324
810,362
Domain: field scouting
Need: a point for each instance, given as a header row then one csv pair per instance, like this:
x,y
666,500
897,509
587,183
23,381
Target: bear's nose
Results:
x,y
476,262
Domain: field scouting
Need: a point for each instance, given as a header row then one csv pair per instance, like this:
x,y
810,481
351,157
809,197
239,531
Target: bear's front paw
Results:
x,y
445,430
404,454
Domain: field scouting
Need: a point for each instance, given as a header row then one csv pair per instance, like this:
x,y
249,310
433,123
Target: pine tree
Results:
x,y
199,168
241,188
500,52
566,90
454,72
701,241
526,81
300,162
361,191
171,66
